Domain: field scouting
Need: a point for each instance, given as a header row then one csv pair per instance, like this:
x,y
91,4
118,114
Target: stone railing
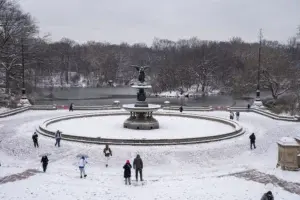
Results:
x,y
237,131
166,108
266,113
14,111
186,108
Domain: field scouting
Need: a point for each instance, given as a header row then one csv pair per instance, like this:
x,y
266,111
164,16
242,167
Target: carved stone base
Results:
x,y
141,104
141,121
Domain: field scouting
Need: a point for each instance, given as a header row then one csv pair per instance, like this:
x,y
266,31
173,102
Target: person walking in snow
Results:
x,y
181,109
231,115
127,172
82,163
248,106
267,196
45,162
57,138
138,166
71,107
252,141
107,153
237,114
35,140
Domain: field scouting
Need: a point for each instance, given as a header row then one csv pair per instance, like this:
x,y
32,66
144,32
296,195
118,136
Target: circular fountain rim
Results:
x,y
238,130
142,86
151,107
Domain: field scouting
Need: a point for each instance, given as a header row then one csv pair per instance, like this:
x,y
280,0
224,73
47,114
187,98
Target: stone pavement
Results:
x,y
20,176
260,177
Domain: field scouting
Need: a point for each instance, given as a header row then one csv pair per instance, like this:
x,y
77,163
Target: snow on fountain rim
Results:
x,y
235,127
142,86
151,107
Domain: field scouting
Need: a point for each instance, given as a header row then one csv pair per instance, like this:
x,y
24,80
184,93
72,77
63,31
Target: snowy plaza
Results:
x,y
226,170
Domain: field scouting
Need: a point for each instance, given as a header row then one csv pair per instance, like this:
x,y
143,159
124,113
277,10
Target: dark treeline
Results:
x,y
230,66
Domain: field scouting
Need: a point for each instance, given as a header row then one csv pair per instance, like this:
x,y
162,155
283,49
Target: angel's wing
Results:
x,y
136,67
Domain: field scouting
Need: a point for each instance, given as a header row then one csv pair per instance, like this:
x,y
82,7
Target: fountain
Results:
x,y
141,113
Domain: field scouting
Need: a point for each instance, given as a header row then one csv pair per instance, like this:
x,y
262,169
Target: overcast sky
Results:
x,y
136,21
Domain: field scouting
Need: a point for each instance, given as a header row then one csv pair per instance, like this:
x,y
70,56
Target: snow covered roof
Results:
x,y
288,141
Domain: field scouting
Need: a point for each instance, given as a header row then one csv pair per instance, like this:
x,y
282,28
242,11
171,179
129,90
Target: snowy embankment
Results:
x,y
4,109
170,172
192,91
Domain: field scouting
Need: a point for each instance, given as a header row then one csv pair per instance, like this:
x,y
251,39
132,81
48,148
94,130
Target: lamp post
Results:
x,y
23,68
257,101
23,101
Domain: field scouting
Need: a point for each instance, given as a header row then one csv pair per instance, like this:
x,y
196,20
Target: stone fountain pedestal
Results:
x,y
141,113
141,120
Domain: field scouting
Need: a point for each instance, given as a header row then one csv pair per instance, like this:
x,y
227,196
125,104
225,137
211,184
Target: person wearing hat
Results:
x,y
268,196
127,172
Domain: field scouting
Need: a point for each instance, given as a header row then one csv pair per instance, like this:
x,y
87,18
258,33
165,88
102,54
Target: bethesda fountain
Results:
x,y
141,113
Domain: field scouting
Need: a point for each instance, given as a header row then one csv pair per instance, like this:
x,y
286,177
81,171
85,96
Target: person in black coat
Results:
x,y
127,172
248,106
35,139
181,109
237,114
252,141
138,166
71,107
268,196
45,162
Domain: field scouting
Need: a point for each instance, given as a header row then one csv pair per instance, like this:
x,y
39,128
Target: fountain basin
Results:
x,y
150,108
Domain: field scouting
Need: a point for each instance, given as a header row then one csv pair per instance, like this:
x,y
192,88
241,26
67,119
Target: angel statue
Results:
x,y
141,70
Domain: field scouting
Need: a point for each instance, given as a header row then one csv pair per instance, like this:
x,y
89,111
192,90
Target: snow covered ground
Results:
x,y
112,127
170,172
4,109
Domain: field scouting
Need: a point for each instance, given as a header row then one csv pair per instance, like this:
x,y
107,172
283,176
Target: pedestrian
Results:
x,y
35,140
82,163
45,162
71,107
127,172
57,138
181,109
267,196
252,141
107,153
248,106
231,115
138,166
237,114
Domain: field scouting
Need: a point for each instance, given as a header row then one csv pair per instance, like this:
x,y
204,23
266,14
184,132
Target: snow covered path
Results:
x,y
171,172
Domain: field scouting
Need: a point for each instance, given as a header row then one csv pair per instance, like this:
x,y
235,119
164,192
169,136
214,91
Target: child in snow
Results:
x,y
127,172
45,162
35,139
82,163
107,152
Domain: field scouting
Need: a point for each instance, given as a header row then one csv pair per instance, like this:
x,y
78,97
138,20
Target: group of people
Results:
x,y
137,163
57,139
231,115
